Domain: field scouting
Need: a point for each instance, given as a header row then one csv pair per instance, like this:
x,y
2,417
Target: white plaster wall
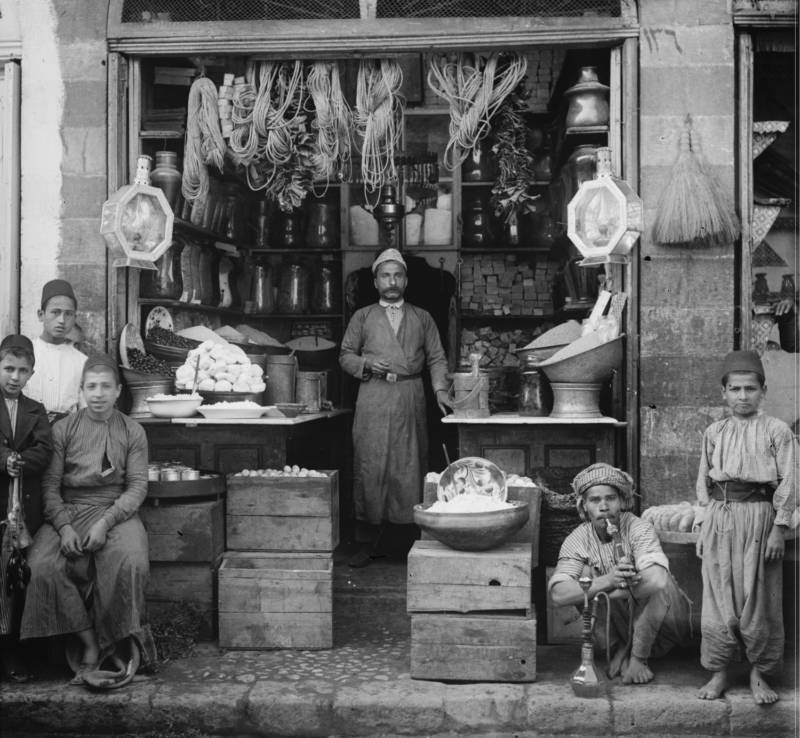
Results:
x,y
41,153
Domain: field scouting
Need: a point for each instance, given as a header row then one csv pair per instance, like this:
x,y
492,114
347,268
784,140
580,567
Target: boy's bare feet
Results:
x,y
617,662
636,671
763,694
715,686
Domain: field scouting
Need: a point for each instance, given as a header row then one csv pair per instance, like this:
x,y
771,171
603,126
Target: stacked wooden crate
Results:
x,y
472,617
276,578
186,537
501,285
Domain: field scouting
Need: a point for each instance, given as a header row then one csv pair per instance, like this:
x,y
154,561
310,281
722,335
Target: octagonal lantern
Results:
x,y
137,221
604,218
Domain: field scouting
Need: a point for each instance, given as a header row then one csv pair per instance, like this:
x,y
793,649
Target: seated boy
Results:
x,y
647,614
747,483
25,445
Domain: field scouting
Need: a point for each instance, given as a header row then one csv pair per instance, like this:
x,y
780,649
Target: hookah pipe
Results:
x,y
586,680
621,556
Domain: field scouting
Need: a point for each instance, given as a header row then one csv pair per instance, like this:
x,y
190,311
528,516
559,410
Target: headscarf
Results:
x,y
742,361
98,362
57,288
602,473
388,255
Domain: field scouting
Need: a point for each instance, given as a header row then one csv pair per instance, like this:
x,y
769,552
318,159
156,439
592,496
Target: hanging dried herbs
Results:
x,y
510,193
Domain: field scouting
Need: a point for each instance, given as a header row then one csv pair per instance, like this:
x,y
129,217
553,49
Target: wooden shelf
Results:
x,y
585,130
279,252
428,110
501,250
184,226
485,316
488,183
162,134
294,316
178,305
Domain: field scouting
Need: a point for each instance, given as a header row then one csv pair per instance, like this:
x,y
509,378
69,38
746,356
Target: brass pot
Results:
x,y
588,101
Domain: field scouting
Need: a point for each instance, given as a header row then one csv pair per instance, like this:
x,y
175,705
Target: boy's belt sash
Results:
x,y
735,491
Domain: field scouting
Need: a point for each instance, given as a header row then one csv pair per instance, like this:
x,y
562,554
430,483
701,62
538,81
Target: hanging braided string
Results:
x,y
474,88
204,144
243,140
378,120
333,122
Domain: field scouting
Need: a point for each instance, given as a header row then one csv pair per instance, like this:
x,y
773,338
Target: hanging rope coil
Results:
x,y
474,87
204,144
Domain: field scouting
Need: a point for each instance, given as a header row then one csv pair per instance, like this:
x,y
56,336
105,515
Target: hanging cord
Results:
x,y
204,144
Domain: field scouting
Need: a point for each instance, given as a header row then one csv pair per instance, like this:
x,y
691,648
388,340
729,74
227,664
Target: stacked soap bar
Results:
x,y
503,285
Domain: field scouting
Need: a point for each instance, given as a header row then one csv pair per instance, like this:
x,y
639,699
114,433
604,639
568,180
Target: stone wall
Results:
x,y
64,142
687,54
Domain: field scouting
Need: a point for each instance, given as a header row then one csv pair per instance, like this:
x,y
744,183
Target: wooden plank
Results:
x,y
273,533
274,595
745,97
183,582
278,630
10,105
309,500
185,532
484,648
260,563
528,533
442,579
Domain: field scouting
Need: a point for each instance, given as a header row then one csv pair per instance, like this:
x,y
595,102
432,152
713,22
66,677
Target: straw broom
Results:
x,y
695,209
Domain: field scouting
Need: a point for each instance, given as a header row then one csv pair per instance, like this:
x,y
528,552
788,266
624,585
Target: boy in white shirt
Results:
x,y
56,383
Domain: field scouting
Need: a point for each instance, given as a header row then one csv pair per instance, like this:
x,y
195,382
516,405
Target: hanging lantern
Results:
x,y
137,221
604,219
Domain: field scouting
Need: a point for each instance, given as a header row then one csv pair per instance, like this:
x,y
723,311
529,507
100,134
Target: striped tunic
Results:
x,y
583,548
98,471
56,383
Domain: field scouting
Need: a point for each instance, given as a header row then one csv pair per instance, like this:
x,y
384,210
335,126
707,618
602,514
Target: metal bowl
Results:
x,y
473,531
590,366
291,409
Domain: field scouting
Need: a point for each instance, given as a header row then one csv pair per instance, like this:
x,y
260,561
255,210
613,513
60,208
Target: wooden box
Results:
x,y
283,513
276,600
441,579
178,531
185,582
473,648
528,533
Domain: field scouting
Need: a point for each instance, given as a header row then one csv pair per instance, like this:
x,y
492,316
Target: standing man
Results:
x,y
386,346
57,380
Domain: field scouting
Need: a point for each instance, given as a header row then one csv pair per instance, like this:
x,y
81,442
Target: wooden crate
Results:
x,y
441,579
528,533
276,600
178,531
283,513
185,582
473,648
564,622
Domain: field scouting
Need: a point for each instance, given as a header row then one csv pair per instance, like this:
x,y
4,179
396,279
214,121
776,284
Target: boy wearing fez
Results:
x,y
25,446
59,364
646,612
747,486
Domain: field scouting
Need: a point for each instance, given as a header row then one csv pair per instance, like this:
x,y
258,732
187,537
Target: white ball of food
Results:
x,y
257,386
207,385
207,346
254,370
235,370
223,386
240,386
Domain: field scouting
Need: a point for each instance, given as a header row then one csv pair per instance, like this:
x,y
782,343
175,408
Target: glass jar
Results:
x,y
582,167
167,177
287,231
165,282
531,394
761,288
479,164
293,289
787,286
262,225
322,229
326,296
477,232
262,293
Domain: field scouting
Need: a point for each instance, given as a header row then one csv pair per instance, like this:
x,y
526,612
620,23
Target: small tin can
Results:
x,y
153,473
170,475
190,475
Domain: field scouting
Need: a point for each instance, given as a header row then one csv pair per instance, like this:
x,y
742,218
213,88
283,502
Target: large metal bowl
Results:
x,y
590,366
473,531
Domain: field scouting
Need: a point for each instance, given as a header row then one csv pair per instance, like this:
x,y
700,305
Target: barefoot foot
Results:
x,y
763,694
636,672
715,686
617,662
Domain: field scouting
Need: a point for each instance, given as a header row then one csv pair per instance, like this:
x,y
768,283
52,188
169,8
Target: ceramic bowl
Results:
x,y
592,365
473,531
290,409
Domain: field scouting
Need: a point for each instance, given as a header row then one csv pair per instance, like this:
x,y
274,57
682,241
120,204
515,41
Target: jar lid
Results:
x,y
587,87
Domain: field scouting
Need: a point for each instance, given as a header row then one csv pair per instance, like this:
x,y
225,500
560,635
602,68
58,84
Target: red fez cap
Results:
x,y
742,361
57,288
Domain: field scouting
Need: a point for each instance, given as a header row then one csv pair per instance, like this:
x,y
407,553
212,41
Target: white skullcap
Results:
x,y
388,255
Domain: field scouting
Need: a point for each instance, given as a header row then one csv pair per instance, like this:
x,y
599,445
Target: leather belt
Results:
x,y
736,491
391,377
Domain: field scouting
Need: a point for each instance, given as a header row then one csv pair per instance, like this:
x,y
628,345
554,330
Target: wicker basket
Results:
x,y
559,516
